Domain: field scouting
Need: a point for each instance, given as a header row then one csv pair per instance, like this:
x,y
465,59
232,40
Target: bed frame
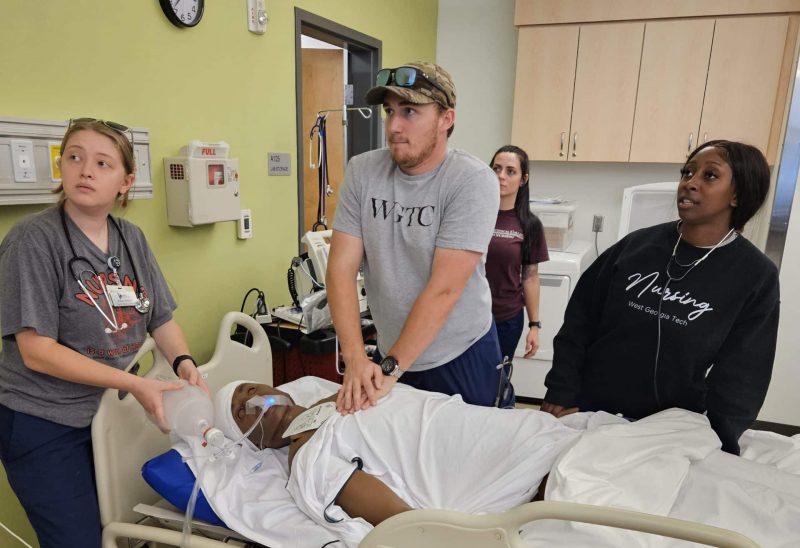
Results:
x,y
124,438
440,528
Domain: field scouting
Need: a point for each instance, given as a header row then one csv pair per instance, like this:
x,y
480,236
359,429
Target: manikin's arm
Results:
x,y
365,496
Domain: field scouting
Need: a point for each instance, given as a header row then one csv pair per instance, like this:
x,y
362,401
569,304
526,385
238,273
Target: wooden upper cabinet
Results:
x,y
545,80
671,87
743,79
605,92
651,92
575,91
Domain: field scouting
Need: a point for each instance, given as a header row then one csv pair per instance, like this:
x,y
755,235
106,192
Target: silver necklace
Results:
x,y
690,266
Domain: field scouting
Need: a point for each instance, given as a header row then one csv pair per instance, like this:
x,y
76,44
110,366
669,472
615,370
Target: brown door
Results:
x,y
323,89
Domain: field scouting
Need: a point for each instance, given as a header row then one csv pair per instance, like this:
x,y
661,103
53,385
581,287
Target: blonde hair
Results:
x,y
119,139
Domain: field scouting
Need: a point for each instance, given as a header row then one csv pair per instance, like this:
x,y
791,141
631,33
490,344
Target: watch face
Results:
x,y
183,13
388,365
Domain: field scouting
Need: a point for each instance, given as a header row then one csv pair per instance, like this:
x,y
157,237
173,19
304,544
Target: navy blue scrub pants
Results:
x,y
508,334
50,467
473,374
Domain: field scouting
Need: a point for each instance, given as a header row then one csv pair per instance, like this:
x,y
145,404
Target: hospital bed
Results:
x,y
124,438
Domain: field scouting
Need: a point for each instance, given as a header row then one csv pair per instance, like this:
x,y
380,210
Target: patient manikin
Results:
x,y
414,450
420,449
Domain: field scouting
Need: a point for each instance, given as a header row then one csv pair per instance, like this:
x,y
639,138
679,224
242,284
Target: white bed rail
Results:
x,y
124,438
443,528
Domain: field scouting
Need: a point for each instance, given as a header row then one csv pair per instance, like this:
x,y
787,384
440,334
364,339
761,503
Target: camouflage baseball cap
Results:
x,y
432,85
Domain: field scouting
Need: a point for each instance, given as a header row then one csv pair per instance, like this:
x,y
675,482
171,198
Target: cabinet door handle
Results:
x,y
689,148
574,144
561,150
705,136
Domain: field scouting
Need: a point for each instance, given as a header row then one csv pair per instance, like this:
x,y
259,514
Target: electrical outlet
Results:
x,y
597,223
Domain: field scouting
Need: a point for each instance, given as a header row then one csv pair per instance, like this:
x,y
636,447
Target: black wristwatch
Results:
x,y
177,361
535,324
391,367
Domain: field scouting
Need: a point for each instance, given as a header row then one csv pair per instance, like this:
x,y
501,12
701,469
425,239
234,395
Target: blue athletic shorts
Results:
x,y
473,374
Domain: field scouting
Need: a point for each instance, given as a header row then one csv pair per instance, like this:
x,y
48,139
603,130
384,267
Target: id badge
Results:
x,y
310,419
121,295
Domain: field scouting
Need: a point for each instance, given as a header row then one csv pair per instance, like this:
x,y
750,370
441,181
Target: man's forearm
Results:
x,y
343,300
427,316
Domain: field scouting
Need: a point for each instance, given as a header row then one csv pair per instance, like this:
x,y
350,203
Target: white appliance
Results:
x,y
647,205
557,277
318,246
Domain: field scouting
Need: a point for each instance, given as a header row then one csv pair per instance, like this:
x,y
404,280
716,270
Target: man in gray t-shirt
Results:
x,y
420,217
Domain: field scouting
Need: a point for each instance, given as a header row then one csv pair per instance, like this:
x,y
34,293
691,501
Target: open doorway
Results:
x,y
334,68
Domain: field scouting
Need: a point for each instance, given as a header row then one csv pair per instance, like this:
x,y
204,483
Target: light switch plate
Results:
x,y
245,228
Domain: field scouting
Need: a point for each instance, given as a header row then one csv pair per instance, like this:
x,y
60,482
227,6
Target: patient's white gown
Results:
x,y
433,450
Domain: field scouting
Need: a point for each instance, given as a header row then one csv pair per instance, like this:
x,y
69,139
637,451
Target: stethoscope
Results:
x,y
142,303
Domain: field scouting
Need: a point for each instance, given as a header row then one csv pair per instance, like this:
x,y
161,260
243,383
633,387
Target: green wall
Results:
x,y
123,61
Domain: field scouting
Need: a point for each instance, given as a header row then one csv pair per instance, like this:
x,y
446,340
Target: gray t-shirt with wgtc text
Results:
x,y
38,291
401,220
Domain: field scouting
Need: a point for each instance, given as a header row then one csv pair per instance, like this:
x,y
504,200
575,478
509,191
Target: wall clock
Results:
x,y
183,13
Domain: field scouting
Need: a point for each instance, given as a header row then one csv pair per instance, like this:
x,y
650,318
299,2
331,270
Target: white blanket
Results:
x,y
433,451
761,501
668,464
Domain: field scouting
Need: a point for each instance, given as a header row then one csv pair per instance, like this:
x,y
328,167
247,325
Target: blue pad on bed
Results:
x,y
172,478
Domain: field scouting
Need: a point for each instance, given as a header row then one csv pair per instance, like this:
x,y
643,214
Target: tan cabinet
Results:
x,y
743,79
546,59
671,88
575,92
650,92
691,91
605,92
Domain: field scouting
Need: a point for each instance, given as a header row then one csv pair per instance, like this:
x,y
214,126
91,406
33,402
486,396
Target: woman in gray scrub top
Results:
x,y
79,292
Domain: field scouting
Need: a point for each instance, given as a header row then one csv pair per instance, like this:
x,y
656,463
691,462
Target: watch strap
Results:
x,y
537,323
177,361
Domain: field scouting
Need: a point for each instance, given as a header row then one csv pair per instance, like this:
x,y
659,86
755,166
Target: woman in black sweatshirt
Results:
x,y
680,314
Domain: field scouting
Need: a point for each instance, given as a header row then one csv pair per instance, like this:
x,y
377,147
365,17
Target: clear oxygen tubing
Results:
x,y
187,522
254,403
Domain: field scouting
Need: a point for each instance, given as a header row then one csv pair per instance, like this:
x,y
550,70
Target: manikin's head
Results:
x,y
232,417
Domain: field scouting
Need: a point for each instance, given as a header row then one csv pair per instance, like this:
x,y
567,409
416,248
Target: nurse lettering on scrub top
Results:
x,y
682,314
79,292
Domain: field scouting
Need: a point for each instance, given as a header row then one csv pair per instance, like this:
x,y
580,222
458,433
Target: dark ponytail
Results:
x,y
530,223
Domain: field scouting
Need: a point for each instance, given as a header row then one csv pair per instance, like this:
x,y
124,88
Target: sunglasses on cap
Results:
x,y
408,77
119,128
